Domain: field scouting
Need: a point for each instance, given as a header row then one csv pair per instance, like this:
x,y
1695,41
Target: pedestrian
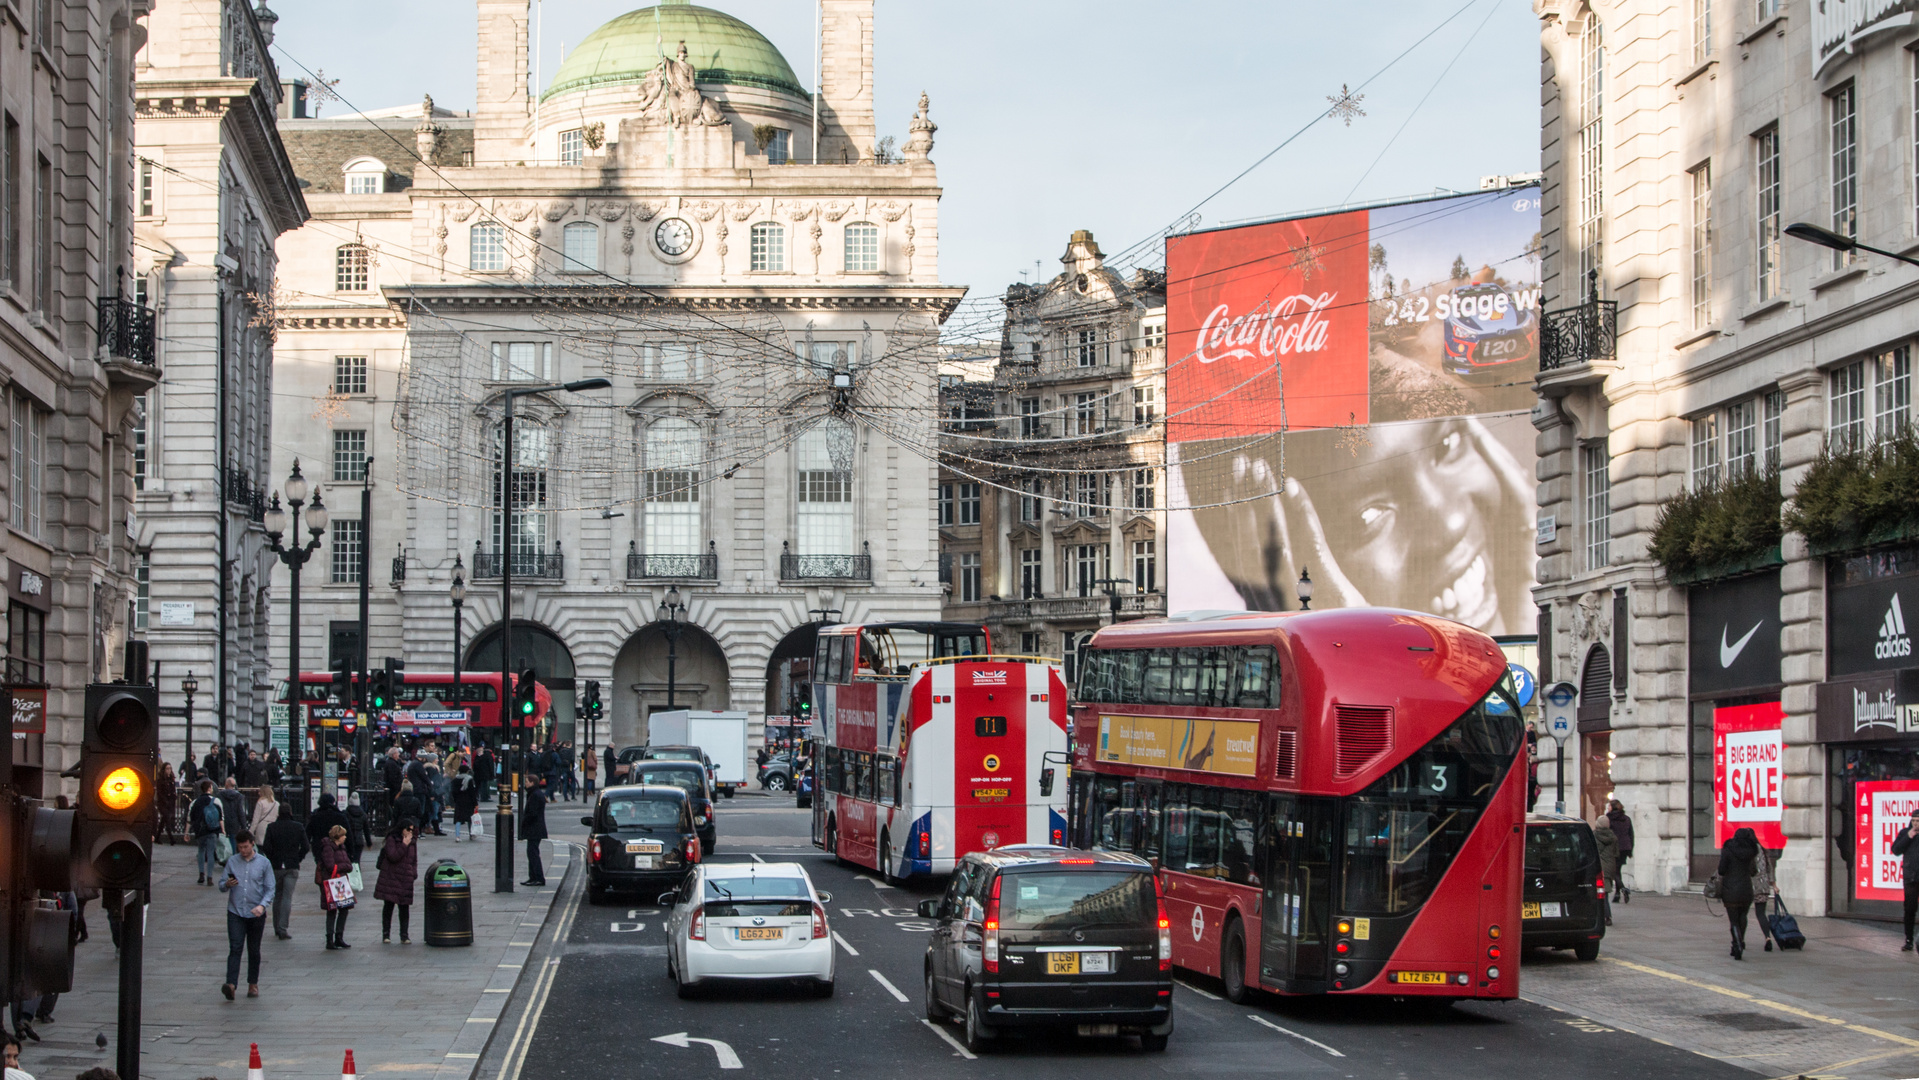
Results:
x,y
483,770
166,802
590,766
322,821
235,810
1908,852
533,828
12,1059
285,846
392,773
358,832
1736,863
330,861
421,785
566,766
249,884
1608,862
466,801
210,765
399,864
1622,830
408,806
1763,890
206,817
274,769
266,811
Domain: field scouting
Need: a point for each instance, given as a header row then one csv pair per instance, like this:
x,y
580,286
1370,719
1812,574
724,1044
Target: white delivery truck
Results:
x,y
721,735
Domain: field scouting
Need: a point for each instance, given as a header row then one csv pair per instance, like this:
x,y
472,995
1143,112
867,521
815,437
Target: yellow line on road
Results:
x,y
1776,1006
542,986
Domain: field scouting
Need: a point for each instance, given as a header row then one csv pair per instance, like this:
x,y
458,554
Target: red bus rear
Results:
x,y
479,692
1335,799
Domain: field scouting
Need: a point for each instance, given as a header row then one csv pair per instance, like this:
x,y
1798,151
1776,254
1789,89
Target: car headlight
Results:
x,y
1461,331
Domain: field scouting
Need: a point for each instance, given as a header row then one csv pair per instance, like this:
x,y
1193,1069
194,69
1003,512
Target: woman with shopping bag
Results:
x,y
330,871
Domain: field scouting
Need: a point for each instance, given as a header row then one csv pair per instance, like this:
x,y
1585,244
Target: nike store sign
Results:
x,y
1733,632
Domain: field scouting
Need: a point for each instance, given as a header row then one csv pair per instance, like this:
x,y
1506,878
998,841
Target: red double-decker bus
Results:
x,y
479,692
1335,799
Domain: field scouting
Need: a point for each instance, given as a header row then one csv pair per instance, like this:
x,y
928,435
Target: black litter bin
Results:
x,y
449,904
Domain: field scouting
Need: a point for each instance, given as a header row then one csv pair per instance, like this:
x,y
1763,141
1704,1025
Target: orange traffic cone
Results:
x,y
346,1067
254,1069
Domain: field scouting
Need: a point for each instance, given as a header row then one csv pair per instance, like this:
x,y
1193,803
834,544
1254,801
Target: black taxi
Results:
x,y
643,840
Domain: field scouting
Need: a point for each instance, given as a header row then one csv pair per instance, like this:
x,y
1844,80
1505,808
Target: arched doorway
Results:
x,y
697,678
536,647
789,673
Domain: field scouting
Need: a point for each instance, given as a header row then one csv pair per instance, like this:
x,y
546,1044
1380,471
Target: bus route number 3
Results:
x,y
1438,779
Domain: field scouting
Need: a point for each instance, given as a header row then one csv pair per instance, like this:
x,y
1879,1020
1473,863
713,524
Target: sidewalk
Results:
x,y
405,1010
1848,1004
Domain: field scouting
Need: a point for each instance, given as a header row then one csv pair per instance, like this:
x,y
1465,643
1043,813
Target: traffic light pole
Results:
x,y
133,933
509,776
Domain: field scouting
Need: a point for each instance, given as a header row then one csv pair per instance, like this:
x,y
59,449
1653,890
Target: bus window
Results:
x,y
1096,675
865,776
988,727
1159,676
1129,676
1256,678
889,774
1185,680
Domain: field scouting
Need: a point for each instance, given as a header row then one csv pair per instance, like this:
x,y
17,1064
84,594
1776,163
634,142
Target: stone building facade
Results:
x,y
652,217
213,189
1678,142
1050,497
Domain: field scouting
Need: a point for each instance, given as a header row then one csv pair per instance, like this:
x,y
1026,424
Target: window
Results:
x,y
349,456
486,247
142,589
1701,30
363,184
1142,489
140,444
1598,469
829,356
1145,409
1029,573
1891,392
768,247
824,455
365,176
581,247
1766,157
10,202
1765,9
466,159
1772,435
969,503
1091,563
26,646
1847,429
349,537
862,248
29,464
779,148
526,535
1742,438
352,268
1705,451
1085,495
948,508
1702,247
1145,565
1032,499
1032,643
522,361
1845,168
1029,425
671,511
1153,335
144,197
1884,381
1085,414
1592,155
1228,676
572,147
969,582
671,361
349,374
43,268
1089,348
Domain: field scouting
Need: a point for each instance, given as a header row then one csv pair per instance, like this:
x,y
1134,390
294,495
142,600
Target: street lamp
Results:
x,y
670,625
295,557
1111,590
1813,234
1305,590
503,815
458,593
189,686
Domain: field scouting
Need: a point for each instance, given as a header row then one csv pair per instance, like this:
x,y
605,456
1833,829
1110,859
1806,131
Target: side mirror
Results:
x,y
1045,783
929,909
587,820
667,899
825,897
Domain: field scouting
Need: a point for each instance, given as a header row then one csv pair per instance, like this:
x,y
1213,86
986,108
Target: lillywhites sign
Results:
x,y
1838,26
1228,747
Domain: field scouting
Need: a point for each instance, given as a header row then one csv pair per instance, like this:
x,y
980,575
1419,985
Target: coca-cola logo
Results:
x,y
1294,325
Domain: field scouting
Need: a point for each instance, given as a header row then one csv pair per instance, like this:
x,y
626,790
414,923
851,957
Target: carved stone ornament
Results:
x,y
517,210
891,210
742,210
668,95
647,211
594,134
705,210
835,209
464,209
798,211
606,211
426,134
919,144
557,209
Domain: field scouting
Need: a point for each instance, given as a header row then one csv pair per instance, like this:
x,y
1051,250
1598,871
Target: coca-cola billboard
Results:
x,y
1348,394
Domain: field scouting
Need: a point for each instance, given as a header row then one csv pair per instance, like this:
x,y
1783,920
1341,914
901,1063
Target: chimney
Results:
x,y
500,121
846,81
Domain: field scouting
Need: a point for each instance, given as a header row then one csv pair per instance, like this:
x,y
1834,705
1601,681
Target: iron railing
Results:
x,y
700,567
549,565
242,491
126,330
843,567
1580,335
1042,609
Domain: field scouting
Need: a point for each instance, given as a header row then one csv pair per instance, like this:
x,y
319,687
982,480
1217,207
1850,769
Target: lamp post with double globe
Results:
x,y
276,521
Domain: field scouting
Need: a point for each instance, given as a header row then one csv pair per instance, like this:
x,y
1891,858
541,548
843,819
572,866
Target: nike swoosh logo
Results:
x,y
1729,653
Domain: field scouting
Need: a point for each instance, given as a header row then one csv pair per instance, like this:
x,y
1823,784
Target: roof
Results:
x,y
722,49
1040,854
636,791
320,149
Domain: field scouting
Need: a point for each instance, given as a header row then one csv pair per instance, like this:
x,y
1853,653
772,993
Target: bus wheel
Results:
x,y
1232,962
886,859
833,843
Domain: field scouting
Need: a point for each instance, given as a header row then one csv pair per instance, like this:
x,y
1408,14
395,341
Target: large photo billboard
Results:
x,y
1349,394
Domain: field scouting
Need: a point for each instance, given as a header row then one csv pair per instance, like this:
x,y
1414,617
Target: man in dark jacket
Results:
x,y
483,770
392,773
533,827
285,846
1904,846
236,809
612,761
1622,830
213,766
206,817
322,821
422,781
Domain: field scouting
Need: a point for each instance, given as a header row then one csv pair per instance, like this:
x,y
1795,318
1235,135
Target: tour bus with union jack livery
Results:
x,y
930,747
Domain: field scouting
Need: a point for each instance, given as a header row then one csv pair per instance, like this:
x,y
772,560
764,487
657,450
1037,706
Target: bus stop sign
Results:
x,y
1560,699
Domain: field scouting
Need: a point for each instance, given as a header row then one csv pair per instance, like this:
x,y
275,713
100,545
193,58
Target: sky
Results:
x,y
1117,116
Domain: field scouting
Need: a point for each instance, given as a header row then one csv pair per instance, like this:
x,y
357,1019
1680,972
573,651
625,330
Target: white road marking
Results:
x,y
1257,1019
950,1040
728,1059
1201,993
850,950
627,928
875,882
890,988
756,857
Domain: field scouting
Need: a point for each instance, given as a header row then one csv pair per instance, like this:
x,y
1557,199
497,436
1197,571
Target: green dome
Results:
x,y
721,48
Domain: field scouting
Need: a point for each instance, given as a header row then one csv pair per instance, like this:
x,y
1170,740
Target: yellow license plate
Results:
x,y
642,848
1422,978
761,933
1062,963
1529,910
991,792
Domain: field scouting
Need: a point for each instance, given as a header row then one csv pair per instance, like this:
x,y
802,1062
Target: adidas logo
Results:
x,y
1893,641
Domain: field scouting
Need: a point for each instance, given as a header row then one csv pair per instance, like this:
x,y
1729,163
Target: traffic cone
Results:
x,y
254,1069
346,1067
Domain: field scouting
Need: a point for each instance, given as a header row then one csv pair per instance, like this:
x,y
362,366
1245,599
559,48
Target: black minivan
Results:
x,y
644,840
1038,936
1561,903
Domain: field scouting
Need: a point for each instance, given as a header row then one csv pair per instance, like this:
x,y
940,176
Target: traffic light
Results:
x,y
525,703
381,694
119,750
395,675
590,704
806,701
342,681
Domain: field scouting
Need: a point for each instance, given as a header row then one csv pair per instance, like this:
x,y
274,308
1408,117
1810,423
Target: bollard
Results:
x,y
254,1069
346,1067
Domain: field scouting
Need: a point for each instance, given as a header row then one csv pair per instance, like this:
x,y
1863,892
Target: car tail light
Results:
x,y
1600,883
692,849
596,849
819,922
926,843
1059,837
989,945
1165,929
1076,862
696,929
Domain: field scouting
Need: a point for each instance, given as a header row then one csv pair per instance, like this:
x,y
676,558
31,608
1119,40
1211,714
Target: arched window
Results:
x,y
670,514
486,246
769,247
365,176
862,248
581,247
352,268
824,460
526,536
1595,685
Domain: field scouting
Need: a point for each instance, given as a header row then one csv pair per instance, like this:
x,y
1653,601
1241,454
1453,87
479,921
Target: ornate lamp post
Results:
x,y
295,557
670,625
1305,590
458,594
189,686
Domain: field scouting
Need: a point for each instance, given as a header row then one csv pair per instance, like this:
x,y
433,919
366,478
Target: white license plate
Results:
x,y
1096,963
646,862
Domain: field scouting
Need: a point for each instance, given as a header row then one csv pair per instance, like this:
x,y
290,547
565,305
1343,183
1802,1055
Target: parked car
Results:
x,y
748,921
1561,904
643,840
1032,935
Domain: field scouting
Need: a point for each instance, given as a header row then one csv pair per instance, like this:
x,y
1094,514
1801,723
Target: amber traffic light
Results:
x,y
118,755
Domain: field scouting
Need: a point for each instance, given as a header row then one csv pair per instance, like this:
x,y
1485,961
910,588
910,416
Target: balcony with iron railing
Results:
x,y
1070,608
826,567
1578,346
126,332
241,491
527,565
650,566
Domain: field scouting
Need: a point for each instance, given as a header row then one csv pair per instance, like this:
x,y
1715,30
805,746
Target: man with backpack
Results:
x,y
207,819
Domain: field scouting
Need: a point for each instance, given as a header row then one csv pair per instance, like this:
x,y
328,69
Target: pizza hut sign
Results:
x,y
30,712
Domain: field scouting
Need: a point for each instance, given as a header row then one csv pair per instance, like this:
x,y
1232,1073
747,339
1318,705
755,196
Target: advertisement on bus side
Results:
x,y
1226,747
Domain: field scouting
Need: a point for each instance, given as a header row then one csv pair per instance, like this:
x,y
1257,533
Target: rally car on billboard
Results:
x,y
1485,330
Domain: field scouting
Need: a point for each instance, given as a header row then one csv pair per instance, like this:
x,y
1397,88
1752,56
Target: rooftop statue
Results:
x,y
669,93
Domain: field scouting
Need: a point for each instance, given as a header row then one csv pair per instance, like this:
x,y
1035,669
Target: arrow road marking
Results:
x,y
1287,1031
875,882
728,1059
890,988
